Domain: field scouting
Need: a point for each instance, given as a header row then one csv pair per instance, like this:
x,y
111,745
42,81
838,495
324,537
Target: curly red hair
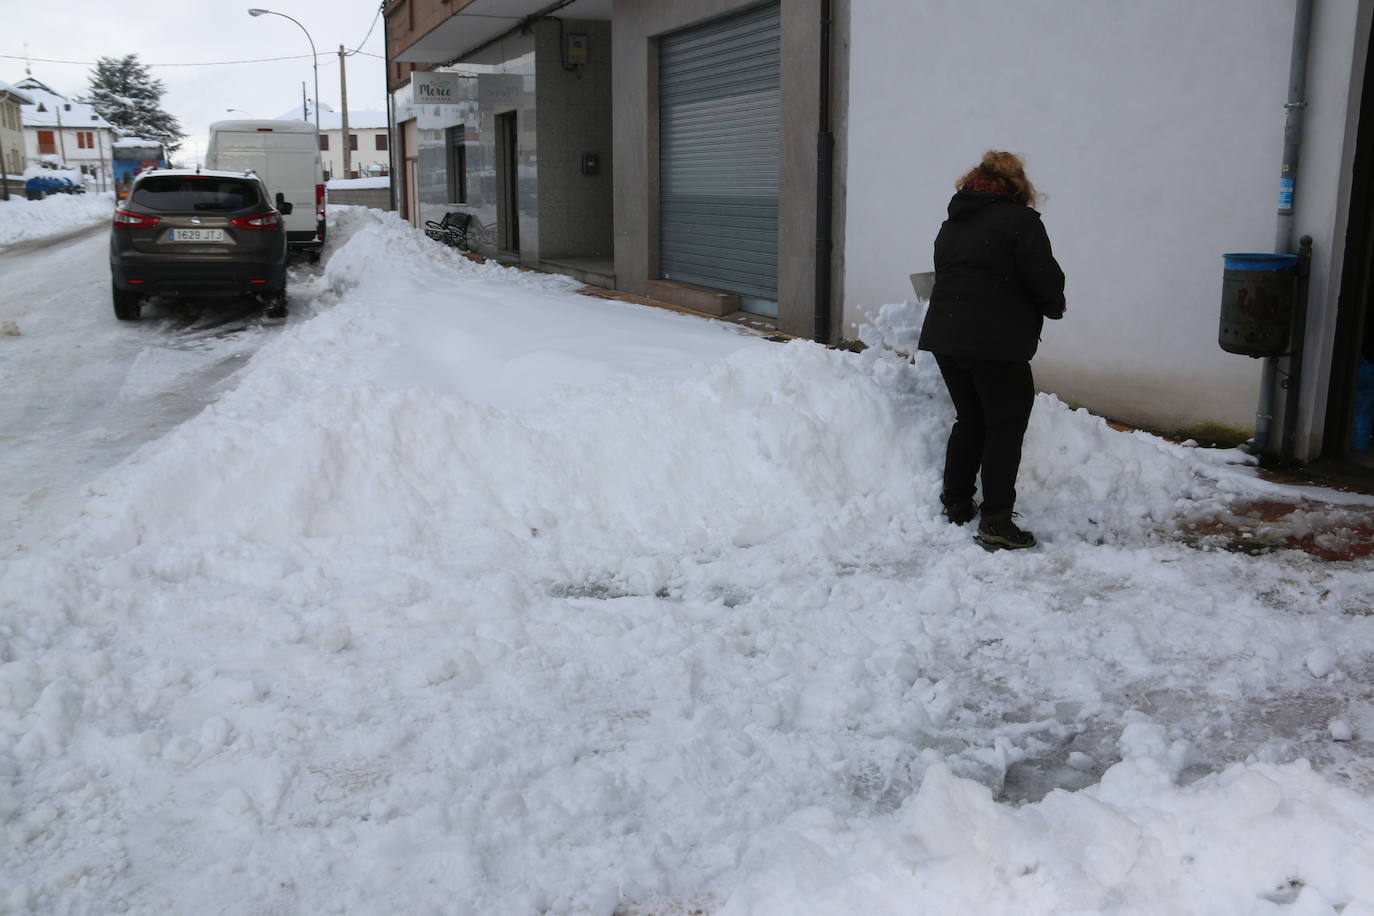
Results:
x,y
1000,168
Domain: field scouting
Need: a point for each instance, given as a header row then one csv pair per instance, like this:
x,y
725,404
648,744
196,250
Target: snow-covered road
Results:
x,y
83,390
471,595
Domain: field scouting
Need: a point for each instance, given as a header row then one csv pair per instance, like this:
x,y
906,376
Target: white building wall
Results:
x,y
11,138
365,160
1155,131
67,148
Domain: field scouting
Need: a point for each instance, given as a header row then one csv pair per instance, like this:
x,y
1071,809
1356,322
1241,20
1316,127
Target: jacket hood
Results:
x,y
965,204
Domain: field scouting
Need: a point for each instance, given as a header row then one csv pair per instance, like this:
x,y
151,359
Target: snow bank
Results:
x,y
344,183
1130,846
23,220
479,596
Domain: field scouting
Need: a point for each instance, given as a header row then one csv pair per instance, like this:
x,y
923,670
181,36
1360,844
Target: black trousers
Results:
x,y
992,400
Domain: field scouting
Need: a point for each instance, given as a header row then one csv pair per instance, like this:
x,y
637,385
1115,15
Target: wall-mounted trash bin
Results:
x,y
1257,293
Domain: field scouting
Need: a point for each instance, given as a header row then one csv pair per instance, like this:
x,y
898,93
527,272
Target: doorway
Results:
x,y
1350,410
720,154
508,181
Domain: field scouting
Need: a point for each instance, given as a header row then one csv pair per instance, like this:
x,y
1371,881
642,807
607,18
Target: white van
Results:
x,y
286,156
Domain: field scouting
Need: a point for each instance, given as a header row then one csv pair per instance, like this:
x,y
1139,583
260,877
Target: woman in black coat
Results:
x,y
996,281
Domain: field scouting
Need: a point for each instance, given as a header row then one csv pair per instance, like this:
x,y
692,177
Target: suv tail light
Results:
x,y
269,220
131,220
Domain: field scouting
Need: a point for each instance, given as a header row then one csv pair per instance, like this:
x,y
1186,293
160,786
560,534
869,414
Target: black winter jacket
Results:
x,y
996,280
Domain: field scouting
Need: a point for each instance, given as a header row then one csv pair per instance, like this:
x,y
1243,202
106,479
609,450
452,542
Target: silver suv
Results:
x,y
192,233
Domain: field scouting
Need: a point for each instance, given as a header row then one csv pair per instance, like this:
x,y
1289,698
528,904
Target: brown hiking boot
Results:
x,y
997,531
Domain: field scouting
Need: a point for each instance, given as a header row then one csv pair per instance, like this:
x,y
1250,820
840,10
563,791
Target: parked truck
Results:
x,y
286,156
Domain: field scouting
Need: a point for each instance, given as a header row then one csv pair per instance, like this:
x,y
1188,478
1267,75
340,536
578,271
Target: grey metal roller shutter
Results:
x,y
720,113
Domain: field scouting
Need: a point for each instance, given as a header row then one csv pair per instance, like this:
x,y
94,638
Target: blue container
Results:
x,y
1362,423
1257,295
1259,261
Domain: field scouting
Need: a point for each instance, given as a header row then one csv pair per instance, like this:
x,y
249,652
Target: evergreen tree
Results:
x,y
129,98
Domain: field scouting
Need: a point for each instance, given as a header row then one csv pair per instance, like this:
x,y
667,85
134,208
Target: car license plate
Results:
x,y
196,235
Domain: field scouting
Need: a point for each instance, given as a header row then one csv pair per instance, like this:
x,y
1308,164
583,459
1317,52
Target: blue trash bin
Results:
x,y
1257,295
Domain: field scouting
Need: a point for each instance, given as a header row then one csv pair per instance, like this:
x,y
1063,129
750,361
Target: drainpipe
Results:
x,y
825,180
392,177
1297,340
1288,182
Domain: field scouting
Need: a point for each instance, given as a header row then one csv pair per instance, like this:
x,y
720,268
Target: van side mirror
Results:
x,y
284,206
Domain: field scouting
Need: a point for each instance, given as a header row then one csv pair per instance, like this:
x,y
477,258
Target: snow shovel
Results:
x,y
923,284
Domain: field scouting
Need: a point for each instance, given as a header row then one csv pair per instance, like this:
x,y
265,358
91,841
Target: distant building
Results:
x,y
369,156
11,135
61,133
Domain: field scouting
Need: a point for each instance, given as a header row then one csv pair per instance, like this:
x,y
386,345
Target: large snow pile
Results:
x,y
22,220
478,596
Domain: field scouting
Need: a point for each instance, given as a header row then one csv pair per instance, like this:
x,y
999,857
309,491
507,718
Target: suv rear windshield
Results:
x,y
194,192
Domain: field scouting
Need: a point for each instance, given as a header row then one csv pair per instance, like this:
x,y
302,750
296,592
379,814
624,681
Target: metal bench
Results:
x,y
451,230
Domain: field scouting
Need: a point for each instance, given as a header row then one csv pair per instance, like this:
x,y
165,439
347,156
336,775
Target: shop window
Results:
x,y
457,165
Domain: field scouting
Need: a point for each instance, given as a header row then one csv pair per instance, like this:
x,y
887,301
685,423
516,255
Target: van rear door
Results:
x,y
288,163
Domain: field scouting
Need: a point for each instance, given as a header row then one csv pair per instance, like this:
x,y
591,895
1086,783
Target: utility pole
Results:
x,y
305,109
61,140
343,101
100,141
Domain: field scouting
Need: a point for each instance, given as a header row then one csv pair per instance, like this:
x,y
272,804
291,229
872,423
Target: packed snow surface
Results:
x,y
22,220
476,596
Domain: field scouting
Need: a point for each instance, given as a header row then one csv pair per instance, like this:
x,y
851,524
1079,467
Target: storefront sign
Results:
x,y
433,88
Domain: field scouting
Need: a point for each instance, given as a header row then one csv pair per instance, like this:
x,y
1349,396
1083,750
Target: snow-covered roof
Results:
x,y
50,108
13,93
135,141
331,120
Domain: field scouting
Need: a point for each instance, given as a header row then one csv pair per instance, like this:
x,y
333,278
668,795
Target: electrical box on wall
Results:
x,y
576,50
591,164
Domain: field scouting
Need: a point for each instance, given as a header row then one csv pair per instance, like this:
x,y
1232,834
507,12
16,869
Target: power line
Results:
x,y
207,63
359,48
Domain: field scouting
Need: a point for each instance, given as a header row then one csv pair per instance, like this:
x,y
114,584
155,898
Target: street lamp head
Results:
x,y
314,58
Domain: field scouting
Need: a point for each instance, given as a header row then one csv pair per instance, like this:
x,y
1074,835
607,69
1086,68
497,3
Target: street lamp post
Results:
x,y
240,111
313,62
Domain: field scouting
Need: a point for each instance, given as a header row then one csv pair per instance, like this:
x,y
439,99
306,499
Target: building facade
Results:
x,y
369,136
1157,132
511,130
61,133
791,160
11,139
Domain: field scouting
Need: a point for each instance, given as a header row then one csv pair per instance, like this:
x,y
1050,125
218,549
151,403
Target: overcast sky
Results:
x,y
200,32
